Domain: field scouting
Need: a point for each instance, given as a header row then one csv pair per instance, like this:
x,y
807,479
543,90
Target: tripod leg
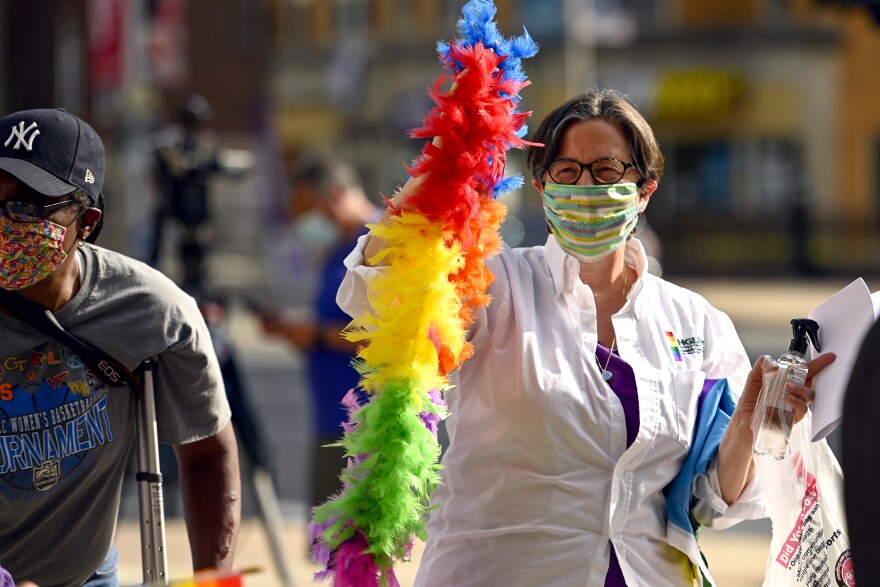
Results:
x,y
270,513
251,441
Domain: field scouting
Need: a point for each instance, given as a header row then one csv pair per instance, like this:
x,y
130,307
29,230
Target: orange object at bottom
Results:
x,y
216,578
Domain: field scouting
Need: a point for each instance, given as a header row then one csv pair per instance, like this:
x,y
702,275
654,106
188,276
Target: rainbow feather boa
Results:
x,y
423,303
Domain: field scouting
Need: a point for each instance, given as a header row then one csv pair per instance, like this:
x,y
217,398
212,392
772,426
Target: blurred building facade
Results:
x,y
765,109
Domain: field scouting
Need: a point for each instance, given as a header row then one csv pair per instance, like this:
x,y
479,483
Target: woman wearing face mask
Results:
x,y
578,430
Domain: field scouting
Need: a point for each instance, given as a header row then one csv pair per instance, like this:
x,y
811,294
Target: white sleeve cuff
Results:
x,y
352,293
710,508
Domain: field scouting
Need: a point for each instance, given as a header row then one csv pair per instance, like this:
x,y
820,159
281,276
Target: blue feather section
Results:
x,y
477,25
508,184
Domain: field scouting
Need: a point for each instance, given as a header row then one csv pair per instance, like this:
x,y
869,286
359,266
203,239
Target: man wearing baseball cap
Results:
x,y
65,435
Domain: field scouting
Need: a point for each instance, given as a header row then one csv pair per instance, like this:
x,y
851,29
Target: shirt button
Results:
x,y
617,412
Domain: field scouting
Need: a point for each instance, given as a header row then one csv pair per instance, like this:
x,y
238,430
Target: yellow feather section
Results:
x,y
416,314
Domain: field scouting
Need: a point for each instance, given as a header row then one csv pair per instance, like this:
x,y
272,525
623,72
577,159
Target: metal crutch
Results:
x,y
149,480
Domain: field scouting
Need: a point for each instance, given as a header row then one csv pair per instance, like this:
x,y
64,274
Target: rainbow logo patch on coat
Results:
x,y
673,346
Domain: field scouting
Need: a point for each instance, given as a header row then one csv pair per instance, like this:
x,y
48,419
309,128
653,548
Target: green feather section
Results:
x,y
386,494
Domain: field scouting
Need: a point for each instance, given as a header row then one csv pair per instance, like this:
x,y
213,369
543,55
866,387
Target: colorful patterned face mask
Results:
x,y
29,251
591,221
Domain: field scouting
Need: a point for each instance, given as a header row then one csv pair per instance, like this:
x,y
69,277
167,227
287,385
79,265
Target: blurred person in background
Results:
x,y
187,158
326,210
65,434
573,454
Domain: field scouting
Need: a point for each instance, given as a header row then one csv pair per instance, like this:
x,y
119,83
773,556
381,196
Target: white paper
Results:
x,y
843,319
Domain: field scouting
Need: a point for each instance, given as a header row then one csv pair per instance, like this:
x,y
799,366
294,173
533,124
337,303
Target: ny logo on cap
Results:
x,y
20,135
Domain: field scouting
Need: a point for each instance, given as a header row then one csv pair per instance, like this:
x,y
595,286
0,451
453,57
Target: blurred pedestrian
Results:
x,y
66,433
326,210
588,433
861,476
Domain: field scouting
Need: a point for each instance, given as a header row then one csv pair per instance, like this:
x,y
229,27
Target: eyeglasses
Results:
x,y
28,211
603,171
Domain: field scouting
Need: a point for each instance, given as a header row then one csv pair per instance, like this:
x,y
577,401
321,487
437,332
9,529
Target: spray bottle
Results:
x,y
776,414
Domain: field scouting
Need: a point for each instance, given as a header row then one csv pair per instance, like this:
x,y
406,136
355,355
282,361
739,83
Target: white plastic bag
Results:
x,y
804,491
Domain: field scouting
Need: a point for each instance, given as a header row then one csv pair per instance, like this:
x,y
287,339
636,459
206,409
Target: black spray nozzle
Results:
x,y
801,329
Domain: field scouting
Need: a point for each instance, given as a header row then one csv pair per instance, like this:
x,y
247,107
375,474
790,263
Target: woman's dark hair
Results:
x,y
607,105
83,201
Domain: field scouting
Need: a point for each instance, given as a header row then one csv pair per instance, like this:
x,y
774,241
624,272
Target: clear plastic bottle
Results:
x,y
777,415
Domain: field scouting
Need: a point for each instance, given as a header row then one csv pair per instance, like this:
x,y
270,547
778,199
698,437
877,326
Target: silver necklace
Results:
x,y
606,374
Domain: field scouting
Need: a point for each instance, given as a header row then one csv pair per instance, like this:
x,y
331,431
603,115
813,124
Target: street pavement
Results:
x,y
736,559
273,373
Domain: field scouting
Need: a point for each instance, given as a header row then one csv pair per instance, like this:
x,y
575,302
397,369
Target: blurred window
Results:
x,y
451,11
727,14
320,24
404,18
648,15
779,171
744,178
427,17
352,18
701,176
543,18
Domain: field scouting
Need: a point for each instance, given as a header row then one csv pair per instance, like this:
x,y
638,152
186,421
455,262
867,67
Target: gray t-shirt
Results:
x,y
65,436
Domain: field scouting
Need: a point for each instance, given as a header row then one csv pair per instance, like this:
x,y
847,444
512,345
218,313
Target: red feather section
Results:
x,y
476,124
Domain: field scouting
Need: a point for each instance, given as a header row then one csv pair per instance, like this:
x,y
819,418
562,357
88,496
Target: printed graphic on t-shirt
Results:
x,y
53,413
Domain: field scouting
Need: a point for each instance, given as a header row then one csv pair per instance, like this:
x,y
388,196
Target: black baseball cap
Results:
x,y
52,152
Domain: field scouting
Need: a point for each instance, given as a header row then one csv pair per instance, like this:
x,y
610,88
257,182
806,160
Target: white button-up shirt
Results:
x,y
538,480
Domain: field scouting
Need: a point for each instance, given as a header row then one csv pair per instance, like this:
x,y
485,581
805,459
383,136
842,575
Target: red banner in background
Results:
x,y
168,41
106,30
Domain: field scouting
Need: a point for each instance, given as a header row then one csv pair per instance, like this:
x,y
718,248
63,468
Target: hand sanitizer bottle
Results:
x,y
777,415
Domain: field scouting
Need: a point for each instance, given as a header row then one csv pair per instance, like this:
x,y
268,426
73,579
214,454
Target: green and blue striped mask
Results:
x,y
591,221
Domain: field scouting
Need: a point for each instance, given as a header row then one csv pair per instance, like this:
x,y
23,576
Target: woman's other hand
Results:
x,y
736,467
799,396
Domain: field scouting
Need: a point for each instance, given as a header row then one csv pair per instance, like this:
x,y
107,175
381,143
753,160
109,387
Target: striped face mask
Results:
x,y
591,221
